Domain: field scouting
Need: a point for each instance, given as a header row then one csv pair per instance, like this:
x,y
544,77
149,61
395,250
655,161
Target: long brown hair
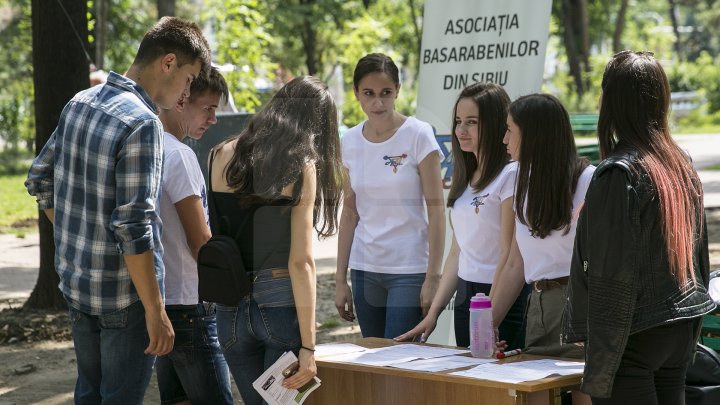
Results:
x,y
492,102
634,109
549,165
299,125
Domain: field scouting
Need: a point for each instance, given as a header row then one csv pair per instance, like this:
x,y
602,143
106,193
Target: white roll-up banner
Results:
x,y
466,41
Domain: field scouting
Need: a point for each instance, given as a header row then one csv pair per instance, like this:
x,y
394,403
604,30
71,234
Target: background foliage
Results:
x,y
262,44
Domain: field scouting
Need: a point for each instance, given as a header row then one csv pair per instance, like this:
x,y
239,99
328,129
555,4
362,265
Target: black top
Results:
x,y
261,229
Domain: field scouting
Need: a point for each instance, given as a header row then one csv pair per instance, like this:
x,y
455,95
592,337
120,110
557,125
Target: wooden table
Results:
x,y
356,384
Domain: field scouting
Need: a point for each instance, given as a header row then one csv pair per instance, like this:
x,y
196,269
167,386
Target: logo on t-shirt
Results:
x,y
478,201
394,161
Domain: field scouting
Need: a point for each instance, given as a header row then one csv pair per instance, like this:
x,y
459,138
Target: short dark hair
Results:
x,y
174,35
375,63
492,102
549,165
209,80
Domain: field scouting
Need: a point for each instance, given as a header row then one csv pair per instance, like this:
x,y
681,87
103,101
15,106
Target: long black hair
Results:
x,y
298,126
492,102
549,164
634,110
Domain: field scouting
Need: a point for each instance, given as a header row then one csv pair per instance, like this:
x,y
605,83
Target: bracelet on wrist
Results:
x,y
308,349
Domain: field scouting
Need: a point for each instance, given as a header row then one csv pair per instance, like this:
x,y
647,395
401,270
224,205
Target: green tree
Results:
x,y
16,72
242,39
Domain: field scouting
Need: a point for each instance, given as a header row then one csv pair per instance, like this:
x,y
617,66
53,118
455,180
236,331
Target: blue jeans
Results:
x,y
254,334
195,370
112,368
511,329
387,305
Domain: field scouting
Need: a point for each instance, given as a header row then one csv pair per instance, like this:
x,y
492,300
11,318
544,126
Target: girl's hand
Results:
x,y
306,371
344,301
427,293
422,331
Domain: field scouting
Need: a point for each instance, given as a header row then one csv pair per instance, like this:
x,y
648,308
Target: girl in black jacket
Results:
x,y
640,265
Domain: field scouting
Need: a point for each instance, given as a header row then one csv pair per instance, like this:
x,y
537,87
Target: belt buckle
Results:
x,y
535,286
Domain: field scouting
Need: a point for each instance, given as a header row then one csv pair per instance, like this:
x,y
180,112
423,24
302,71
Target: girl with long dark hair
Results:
x,y
551,184
481,212
275,182
638,285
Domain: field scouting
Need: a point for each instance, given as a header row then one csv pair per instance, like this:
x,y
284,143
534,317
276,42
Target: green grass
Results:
x,y
330,323
18,209
713,167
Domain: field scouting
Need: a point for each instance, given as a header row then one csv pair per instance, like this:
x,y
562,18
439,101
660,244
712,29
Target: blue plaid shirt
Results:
x,y
101,171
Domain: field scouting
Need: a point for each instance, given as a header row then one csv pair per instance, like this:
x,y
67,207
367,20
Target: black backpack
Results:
x,y
221,272
702,382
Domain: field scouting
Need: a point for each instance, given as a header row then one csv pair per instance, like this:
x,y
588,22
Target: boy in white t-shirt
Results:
x,y
195,371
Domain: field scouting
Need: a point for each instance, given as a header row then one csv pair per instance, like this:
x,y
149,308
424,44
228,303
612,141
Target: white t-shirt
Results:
x,y
181,178
550,257
476,223
391,234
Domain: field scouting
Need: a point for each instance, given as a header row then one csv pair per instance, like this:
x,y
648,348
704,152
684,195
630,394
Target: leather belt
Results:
x,y
546,284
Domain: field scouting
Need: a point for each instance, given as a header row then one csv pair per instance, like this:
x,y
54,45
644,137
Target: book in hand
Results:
x,y
269,384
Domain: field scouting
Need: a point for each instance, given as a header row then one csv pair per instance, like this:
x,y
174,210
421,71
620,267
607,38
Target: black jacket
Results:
x,y
620,282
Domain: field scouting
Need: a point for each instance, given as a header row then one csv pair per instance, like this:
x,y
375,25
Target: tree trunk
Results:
x,y
165,8
619,26
309,40
416,28
583,21
60,69
101,12
573,55
676,30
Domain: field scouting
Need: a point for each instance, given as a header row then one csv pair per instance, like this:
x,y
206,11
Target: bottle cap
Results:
x,y
480,301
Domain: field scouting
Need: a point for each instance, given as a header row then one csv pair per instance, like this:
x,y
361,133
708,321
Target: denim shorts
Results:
x,y
256,332
195,370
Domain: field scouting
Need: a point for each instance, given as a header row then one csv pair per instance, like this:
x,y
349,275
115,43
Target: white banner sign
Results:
x,y
466,41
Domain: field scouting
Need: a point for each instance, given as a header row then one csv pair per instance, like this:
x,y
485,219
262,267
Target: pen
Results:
x,y
503,355
422,338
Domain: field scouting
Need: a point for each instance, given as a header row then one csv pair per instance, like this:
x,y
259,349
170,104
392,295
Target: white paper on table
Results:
x,y
372,357
521,371
421,351
332,349
442,363
269,384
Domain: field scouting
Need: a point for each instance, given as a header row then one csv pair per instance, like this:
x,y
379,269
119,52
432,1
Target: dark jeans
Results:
x,y
195,370
387,305
653,366
512,329
111,363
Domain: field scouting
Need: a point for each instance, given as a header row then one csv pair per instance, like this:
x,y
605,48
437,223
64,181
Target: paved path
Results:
x,y
19,257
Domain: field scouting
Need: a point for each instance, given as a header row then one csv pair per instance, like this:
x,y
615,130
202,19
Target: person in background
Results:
x,y
640,268
392,228
97,179
551,184
275,182
481,213
195,371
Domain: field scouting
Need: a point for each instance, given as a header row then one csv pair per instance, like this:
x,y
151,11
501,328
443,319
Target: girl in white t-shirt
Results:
x,y
392,227
481,213
551,184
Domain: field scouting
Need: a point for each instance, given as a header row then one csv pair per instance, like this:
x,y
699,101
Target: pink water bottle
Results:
x,y
482,335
